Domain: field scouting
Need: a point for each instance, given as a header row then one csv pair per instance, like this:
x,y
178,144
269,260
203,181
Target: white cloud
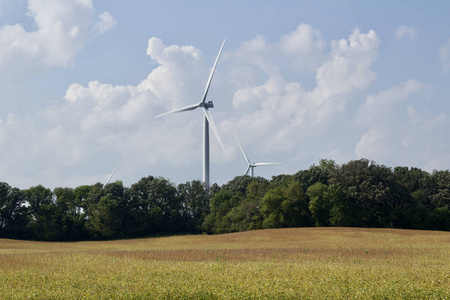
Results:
x,y
398,134
303,124
305,41
298,52
371,145
381,107
257,94
180,77
62,27
100,124
406,32
345,72
106,23
348,67
444,56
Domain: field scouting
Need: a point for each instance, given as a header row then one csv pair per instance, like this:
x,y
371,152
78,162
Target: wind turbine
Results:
x,y
251,165
110,176
207,121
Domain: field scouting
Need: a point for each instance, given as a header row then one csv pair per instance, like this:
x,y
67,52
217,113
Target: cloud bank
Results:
x,y
258,91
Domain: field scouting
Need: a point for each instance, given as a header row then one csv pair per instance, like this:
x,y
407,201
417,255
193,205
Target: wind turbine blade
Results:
x,y
186,108
211,75
267,164
242,150
248,169
112,173
213,126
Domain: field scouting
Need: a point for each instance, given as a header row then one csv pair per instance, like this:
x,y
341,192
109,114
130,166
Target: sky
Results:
x,y
297,81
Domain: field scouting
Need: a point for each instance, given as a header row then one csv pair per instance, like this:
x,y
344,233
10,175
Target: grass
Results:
x,y
300,263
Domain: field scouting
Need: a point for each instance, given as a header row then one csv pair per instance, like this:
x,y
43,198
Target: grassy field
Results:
x,y
300,263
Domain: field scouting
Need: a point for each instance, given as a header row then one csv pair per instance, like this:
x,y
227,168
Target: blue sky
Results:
x,y
297,81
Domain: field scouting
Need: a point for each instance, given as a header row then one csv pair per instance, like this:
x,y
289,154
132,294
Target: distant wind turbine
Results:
x,y
251,165
110,176
207,121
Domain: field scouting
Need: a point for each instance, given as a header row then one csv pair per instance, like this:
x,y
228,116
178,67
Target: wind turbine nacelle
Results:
x,y
209,104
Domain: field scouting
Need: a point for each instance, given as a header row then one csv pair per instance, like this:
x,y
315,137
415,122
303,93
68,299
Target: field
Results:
x,y
298,263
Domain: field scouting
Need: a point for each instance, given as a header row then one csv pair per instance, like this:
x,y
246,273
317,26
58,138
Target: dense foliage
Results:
x,y
357,194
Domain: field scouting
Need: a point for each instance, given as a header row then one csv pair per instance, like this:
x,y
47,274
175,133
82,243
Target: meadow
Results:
x,y
295,263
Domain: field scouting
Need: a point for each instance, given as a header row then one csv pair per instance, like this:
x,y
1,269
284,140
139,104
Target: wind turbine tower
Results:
x,y
207,121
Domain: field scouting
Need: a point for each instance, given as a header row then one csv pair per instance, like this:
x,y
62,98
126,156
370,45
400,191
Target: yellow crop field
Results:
x,y
297,263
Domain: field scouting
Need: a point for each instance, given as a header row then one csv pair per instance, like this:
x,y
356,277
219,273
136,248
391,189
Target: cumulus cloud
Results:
x,y
444,56
178,74
100,124
62,27
344,72
259,94
106,23
121,119
371,144
348,67
406,32
305,41
398,133
380,107
298,52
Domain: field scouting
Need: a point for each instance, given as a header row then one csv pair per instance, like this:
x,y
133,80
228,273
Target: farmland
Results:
x,y
315,263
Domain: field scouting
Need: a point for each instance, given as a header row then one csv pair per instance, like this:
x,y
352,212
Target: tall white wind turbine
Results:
x,y
207,121
251,165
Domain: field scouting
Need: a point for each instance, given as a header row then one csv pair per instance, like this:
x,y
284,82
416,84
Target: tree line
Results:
x,y
359,193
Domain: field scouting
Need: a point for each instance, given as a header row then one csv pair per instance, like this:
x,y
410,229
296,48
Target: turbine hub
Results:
x,y
209,104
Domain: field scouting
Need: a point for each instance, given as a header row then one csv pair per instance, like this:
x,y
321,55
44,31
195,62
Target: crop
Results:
x,y
305,263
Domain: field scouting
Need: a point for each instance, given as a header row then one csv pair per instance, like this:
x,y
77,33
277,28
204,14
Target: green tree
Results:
x,y
285,206
296,207
69,216
271,208
246,215
412,213
438,191
438,219
107,217
328,205
82,194
13,214
314,174
319,204
282,180
340,213
156,206
194,203
440,197
43,213
220,205
373,193
239,184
